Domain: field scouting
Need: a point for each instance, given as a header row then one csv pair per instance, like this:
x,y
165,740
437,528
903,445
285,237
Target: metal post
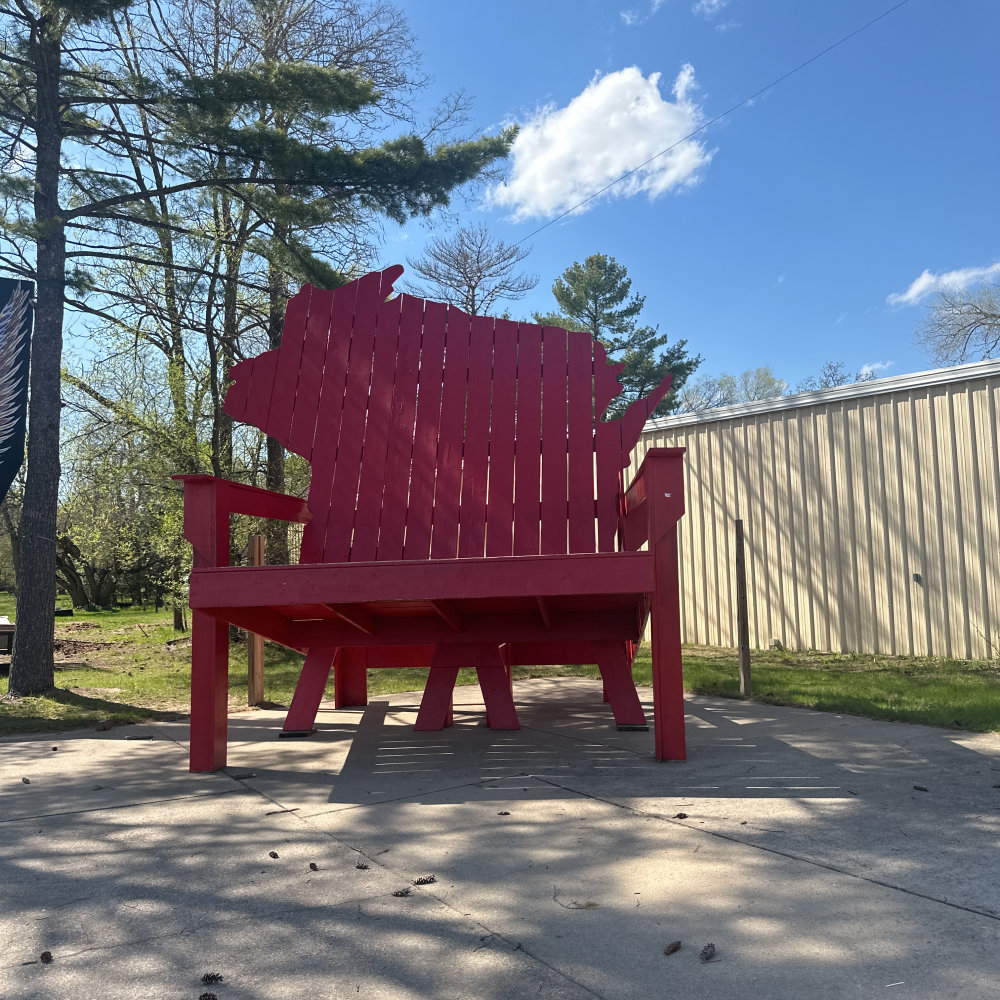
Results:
x,y
742,616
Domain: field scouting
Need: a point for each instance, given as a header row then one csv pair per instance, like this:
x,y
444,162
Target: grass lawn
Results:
x,y
129,665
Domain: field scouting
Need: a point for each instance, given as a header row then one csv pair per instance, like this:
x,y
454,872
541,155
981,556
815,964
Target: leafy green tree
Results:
x,y
594,296
69,109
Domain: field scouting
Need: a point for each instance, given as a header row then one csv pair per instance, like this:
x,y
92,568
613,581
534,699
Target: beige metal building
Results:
x,y
871,512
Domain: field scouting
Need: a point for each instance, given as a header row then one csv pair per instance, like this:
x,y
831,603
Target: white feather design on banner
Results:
x,y
13,330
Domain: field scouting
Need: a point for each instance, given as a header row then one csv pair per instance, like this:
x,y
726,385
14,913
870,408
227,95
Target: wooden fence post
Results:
x,y
742,616
255,643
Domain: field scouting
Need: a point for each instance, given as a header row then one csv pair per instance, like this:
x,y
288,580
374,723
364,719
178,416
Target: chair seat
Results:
x,y
410,580
596,596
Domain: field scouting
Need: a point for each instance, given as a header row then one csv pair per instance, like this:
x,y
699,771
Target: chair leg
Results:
x,y
309,691
350,678
668,679
494,682
436,704
209,691
619,689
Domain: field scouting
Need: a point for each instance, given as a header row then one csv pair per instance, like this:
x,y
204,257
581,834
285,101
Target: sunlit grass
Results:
x,y
963,694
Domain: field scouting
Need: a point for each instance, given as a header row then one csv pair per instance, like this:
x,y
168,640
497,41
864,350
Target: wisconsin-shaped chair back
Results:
x,y
433,434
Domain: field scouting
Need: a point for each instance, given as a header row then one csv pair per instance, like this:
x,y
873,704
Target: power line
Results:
x,y
718,118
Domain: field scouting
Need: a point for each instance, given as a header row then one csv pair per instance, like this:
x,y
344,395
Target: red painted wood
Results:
x,y
402,426
619,689
663,472
289,363
614,625
580,442
472,514
317,360
350,677
370,509
580,573
448,486
436,704
209,692
500,507
334,362
238,498
309,690
608,446
528,442
554,440
426,431
417,544
238,393
494,682
258,405
343,497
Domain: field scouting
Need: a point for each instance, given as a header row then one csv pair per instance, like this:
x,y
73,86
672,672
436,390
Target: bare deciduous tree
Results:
x,y
472,270
963,325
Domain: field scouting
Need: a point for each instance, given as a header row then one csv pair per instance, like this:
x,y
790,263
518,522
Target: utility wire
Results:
x,y
717,118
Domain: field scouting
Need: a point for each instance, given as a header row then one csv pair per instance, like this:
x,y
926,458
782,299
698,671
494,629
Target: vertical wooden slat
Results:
x,y
334,361
581,442
448,489
260,392
608,448
288,364
528,441
322,360
554,440
417,544
402,425
472,513
500,505
239,391
374,455
346,474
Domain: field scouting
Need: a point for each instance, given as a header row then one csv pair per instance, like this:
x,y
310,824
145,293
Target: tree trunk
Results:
x,y
72,581
32,670
276,532
14,534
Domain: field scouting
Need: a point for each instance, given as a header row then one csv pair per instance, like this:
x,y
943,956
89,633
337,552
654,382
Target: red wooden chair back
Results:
x,y
435,434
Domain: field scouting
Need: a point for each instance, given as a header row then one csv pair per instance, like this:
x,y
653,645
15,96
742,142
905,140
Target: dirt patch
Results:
x,y
73,647
77,626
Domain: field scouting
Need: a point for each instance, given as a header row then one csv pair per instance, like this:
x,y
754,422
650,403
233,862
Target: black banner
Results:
x,y
16,299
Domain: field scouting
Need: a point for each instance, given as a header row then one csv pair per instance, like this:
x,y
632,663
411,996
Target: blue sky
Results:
x,y
798,230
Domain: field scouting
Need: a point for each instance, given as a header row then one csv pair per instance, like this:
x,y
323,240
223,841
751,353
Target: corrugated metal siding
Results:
x,y
843,501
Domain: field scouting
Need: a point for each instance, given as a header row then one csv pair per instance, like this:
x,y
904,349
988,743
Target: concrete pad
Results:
x,y
562,865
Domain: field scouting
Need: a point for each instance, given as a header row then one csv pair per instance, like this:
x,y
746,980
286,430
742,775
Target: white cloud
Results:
x,y
630,18
928,283
708,8
563,155
872,369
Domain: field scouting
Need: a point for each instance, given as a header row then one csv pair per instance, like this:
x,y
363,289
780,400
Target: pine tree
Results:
x,y
594,296
68,107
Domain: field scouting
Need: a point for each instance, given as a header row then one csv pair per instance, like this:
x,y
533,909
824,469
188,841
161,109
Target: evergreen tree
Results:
x,y
594,296
69,110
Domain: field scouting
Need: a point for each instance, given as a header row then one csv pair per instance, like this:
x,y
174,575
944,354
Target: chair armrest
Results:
x,y
208,502
654,501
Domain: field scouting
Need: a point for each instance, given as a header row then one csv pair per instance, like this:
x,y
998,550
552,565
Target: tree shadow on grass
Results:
x,y
72,711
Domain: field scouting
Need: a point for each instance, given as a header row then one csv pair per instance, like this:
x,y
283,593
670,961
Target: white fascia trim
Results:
x,y
877,387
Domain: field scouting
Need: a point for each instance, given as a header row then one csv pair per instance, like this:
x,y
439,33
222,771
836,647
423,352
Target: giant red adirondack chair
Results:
x,y
466,508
